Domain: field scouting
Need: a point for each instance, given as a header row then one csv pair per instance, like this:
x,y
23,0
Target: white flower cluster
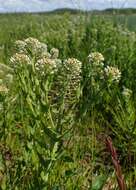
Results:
x,y
126,92
96,66
73,65
35,47
54,53
6,78
31,41
46,64
73,71
19,58
32,51
3,89
31,46
99,71
20,46
112,73
67,82
96,58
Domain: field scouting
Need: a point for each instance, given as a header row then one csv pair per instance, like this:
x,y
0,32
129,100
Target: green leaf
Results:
x,y
67,159
99,182
51,133
69,173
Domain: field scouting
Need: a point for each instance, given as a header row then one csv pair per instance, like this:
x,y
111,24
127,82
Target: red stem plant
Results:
x,y
115,161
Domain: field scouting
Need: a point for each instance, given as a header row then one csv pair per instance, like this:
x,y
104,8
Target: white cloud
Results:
x,y
24,5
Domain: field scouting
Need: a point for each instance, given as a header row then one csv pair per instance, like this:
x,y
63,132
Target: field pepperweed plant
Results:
x,y
61,100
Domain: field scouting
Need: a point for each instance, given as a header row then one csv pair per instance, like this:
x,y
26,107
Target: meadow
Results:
x,y
67,101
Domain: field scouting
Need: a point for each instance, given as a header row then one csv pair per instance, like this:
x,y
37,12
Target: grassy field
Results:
x,y
67,101
51,27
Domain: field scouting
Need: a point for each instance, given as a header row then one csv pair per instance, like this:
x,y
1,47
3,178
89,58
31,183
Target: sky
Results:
x,y
48,5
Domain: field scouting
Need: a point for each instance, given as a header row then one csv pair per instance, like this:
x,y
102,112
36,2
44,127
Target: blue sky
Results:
x,y
47,5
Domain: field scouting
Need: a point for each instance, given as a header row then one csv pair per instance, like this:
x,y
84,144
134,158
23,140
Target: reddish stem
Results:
x,y
115,161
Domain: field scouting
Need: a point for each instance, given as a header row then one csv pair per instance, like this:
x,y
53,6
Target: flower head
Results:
x,y
3,89
54,53
20,46
112,73
36,47
126,92
19,58
31,42
73,65
41,50
46,64
96,57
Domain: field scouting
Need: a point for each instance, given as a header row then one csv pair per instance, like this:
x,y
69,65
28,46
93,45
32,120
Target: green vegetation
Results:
x,y
67,98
